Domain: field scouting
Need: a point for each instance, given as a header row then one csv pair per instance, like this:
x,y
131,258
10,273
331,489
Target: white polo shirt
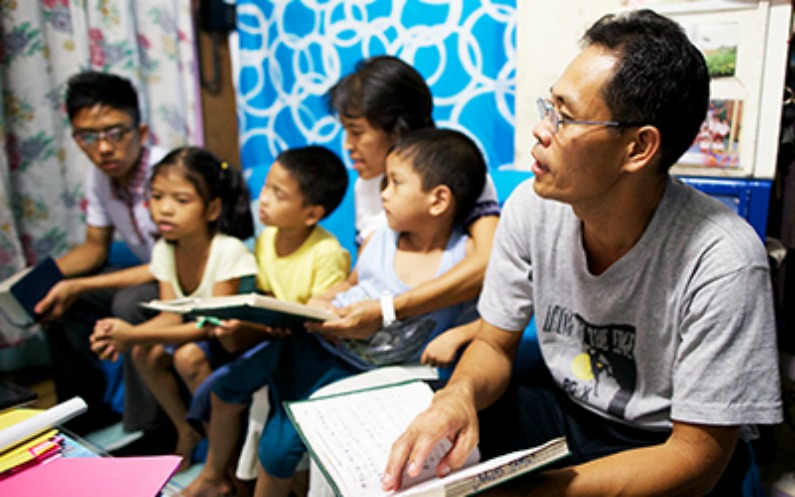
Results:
x,y
125,210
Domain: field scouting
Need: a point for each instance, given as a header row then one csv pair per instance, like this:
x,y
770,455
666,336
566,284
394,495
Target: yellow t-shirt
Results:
x,y
312,269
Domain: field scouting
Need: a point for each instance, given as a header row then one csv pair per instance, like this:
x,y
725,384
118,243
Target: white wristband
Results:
x,y
387,308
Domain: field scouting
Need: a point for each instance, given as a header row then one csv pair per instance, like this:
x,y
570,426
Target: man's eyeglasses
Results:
x,y
113,135
547,111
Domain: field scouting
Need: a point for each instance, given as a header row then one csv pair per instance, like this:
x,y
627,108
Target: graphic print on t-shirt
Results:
x,y
602,370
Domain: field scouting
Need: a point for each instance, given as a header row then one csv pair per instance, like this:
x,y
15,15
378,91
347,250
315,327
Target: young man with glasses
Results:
x,y
106,123
653,301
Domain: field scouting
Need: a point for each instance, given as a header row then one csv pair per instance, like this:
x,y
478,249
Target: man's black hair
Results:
x,y
91,88
661,78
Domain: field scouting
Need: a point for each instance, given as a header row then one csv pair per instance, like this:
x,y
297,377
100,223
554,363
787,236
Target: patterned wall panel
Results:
x,y
292,51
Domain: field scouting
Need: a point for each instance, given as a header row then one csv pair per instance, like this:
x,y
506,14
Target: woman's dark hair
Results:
x,y
661,78
214,179
446,157
386,91
321,175
88,89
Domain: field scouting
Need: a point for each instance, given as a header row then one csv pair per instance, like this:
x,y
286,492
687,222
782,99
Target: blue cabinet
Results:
x,y
750,198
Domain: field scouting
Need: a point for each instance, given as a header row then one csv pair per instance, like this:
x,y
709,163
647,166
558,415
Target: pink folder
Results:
x,y
93,476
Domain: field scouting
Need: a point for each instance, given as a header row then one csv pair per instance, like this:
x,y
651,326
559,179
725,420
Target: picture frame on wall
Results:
x,y
737,37
744,41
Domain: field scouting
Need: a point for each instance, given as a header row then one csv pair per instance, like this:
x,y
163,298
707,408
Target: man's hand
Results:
x,y
58,300
358,321
452,414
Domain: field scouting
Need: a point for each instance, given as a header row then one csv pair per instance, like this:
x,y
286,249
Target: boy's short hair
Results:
x,y
446,157
320,173
88,89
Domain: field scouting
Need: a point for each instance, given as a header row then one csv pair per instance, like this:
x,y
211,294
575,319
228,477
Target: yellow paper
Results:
x,y
14,416
28,450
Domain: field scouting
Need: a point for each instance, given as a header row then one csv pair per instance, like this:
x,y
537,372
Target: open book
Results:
x,y
349,436
250,307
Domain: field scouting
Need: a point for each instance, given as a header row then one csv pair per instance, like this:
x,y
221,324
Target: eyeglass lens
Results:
x,y
113,135
546,111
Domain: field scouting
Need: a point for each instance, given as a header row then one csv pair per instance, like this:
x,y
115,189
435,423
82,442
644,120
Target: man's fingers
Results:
x,y
396,462
458,454
409,453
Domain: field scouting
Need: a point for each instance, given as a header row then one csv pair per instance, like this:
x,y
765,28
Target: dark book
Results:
x,y
20,293
246,307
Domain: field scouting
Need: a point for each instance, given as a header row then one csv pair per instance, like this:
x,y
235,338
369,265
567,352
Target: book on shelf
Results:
x,y
349,436
20,292
250,307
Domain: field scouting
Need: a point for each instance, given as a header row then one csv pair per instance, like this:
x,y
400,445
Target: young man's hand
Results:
x,y
58,300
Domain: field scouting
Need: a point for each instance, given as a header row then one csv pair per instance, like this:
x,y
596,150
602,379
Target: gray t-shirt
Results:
x,y
680,328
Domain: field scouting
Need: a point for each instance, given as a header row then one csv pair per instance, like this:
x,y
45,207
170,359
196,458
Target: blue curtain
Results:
x,y
292,51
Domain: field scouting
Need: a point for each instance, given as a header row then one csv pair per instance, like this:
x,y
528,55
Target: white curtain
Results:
x,y
43,43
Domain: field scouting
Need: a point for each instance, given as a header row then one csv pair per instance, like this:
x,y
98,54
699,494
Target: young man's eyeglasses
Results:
x,y
547,111
90,138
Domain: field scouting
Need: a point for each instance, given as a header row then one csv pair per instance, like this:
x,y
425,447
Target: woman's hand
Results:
x,y
358,321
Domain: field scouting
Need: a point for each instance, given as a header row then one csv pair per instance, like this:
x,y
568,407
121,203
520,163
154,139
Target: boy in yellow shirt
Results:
x,y
297,259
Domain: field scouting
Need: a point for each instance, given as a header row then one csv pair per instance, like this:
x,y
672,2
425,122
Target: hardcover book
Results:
x,y
246,307
349,436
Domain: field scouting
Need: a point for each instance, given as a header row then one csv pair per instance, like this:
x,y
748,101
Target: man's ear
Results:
x,y
441,200
313,214
143,133
214,210
643,148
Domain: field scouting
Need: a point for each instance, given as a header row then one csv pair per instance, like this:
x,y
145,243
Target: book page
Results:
x,y
352,434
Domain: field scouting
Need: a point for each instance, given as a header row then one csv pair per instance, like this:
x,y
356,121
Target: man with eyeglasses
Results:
x,y
653,301
106,123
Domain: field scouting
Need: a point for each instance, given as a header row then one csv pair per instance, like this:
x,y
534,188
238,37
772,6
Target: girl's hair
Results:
x,y
214,179
386,91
